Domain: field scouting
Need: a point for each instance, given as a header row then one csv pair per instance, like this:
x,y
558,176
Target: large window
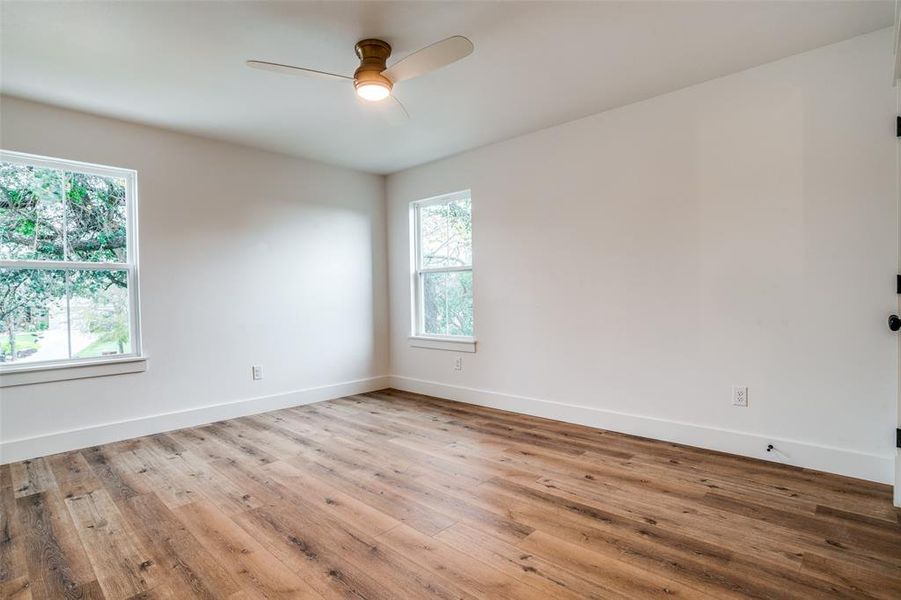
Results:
x,y
443,266
68,276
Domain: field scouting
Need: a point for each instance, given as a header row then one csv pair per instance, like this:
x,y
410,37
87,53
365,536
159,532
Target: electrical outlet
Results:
x,y
458,363
257,372
740,395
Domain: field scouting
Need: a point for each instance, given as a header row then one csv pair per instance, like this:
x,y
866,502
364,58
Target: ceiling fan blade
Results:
x,y
290,70
397,113
390,110
430,58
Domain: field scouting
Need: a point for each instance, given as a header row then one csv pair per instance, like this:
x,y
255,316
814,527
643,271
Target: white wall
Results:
x,y
632,266
246,257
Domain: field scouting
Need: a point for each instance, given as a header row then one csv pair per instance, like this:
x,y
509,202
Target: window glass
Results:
x,y
98,308
447,303
31,213
33,319
96,215
446,234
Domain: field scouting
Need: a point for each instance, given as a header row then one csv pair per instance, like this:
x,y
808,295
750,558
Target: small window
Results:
x,y
68,264
443,266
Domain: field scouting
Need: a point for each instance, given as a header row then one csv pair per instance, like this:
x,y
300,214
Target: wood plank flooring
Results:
x,y
394,495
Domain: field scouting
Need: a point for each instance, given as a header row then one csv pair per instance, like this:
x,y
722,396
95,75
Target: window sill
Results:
x,y
32,374
443,343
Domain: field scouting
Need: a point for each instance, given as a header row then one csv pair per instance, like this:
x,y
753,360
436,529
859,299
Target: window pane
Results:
x,y
53,211
446,234
447,303
33,323
434,303
98,305
96,218
31,213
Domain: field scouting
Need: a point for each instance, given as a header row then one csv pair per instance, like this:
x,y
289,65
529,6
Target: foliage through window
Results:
x,y
67,262
443,257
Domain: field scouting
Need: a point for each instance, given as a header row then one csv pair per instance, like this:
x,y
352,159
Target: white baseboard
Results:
x,y
63,441
842,461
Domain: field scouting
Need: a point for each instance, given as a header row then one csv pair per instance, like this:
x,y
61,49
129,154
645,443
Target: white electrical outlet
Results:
x,y
257,372
458,363
739,395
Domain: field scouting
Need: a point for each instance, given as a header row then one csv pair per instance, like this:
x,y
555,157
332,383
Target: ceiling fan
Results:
x,y
374,80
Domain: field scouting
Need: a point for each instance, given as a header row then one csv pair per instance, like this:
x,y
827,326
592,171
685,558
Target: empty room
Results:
x,y
523,300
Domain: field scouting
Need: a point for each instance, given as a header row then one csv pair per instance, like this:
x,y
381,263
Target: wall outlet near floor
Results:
x,y
458,363
257,372
739,395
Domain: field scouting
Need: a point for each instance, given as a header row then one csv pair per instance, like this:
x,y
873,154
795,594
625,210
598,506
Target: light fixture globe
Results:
x,y
373,92
369,82
372,85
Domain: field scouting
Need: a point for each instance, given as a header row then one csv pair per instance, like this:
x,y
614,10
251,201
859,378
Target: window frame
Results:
x,y
90,364
418,337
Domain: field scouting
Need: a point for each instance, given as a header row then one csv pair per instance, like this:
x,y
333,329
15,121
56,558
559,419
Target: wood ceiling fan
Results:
x,y
374,80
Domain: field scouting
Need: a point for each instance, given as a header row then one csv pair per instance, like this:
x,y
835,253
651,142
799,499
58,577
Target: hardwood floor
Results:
x,y
393,495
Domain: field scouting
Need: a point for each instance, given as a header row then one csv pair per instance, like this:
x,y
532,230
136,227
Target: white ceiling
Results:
x,y
180,65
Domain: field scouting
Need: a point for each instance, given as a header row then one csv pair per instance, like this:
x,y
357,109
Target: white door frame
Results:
x,y
897,78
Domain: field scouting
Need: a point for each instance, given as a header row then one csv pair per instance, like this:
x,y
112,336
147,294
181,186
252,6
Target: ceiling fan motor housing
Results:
x,y
373,58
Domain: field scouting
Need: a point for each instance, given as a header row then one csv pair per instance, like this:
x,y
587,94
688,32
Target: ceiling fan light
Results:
x,y
373,91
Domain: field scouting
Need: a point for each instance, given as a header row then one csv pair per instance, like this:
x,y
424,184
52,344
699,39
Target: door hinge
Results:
x,y
898,438
898,126
898,284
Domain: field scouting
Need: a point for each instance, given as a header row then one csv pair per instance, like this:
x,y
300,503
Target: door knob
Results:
x,y
894,322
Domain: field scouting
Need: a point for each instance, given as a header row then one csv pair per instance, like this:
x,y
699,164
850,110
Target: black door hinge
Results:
x,y
898,438
898,126
898,284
